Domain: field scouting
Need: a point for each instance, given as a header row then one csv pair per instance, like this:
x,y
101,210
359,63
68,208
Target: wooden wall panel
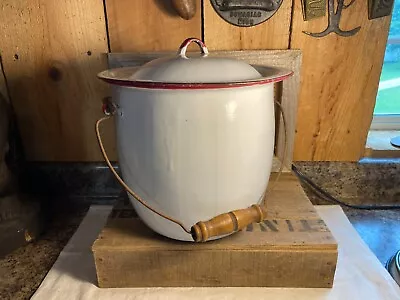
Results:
x,y
3,83
272,34
148,25
339,82
51,52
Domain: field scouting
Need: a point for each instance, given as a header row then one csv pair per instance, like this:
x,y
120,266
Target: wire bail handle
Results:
x,y
220,225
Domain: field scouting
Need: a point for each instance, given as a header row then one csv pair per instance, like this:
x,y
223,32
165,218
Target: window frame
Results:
x,y
395,40
387,121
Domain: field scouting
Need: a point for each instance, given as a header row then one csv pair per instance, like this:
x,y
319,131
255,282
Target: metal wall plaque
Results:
x,y
379,8
313,9
334,16
246,13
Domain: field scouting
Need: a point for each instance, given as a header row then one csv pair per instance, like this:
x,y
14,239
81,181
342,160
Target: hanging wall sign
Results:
x,y
313,9
246,13
334,17
379,8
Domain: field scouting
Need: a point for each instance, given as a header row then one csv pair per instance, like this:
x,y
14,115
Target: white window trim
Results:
x,y
386,122
395,40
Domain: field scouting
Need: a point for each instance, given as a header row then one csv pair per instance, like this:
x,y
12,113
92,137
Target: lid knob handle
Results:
x,y
187,42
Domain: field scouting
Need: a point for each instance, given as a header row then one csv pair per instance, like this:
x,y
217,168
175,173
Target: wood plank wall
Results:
x,y
53,50
339,82
3,84
143,25
272,34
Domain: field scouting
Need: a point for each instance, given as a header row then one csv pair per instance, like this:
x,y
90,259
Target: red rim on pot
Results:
x,y
196,72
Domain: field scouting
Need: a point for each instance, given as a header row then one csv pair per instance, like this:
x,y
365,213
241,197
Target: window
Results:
x,y
387,107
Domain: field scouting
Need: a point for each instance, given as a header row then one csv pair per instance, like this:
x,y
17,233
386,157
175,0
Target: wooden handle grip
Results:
x,y
227,223
185,8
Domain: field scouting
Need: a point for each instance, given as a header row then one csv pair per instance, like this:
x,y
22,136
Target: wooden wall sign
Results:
x,y
246,13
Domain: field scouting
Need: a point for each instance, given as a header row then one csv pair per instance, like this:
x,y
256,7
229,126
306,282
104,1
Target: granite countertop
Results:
x,y
379,230
377,227
22,271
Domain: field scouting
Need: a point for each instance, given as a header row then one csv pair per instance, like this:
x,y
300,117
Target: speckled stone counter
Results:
x,y
379,229
22,271
367,182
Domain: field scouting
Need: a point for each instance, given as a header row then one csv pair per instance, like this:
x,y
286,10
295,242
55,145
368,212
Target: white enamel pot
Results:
x,y
195,135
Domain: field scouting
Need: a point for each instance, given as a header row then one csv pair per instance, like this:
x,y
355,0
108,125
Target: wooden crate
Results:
x,y
292,248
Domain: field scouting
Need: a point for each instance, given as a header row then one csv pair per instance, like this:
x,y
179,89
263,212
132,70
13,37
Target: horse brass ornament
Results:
x,y
313,9
334,20
246,13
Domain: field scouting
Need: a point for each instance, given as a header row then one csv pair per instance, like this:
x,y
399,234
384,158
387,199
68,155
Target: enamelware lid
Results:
x,y
195,72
